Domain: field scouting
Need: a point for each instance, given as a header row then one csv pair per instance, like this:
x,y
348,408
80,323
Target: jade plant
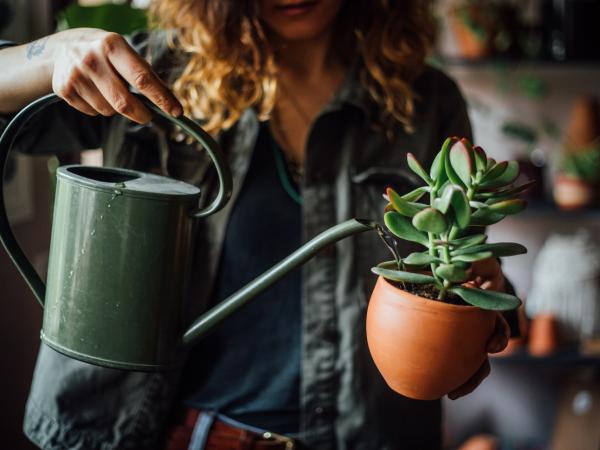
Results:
x,y
466,191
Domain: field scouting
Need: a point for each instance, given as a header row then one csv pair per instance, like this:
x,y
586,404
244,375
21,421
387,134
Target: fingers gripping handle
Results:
x,y
16,124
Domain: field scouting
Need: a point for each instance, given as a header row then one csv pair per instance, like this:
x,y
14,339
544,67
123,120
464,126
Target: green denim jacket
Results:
x,y
345,403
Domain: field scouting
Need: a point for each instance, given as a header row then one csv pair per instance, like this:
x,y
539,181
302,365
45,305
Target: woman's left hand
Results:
x,y
486,274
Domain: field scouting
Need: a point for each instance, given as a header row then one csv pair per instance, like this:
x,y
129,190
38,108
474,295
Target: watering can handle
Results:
x,y
9,135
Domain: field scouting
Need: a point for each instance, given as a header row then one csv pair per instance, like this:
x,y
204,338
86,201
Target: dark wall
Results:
x,y
21,316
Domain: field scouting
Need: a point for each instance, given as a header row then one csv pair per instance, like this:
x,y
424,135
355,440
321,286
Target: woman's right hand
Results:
x,y
91,69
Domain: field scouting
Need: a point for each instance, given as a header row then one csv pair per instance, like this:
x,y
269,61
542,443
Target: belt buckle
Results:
x,y
289,442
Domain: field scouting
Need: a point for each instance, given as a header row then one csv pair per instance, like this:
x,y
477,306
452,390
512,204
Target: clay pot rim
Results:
x,y
426,302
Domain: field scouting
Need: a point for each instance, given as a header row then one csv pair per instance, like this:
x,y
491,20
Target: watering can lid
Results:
x,y
126,182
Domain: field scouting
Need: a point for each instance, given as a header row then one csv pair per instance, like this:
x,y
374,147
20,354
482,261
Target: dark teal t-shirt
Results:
x,y
249,367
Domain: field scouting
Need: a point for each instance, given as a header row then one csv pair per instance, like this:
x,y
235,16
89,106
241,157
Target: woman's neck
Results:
x,y
307,60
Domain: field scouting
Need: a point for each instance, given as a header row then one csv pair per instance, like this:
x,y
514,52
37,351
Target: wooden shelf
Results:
x,y
512,63
568,357
547,209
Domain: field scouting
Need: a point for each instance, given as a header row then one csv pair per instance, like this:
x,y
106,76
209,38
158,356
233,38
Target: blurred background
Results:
x,y
530,71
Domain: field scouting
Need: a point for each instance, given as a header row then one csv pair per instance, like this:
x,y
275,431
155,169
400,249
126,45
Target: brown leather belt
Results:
x,y
224,436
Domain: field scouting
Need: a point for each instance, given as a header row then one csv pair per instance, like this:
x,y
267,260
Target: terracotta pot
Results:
x,y
543,335
425,348
470,45
573,193
584,122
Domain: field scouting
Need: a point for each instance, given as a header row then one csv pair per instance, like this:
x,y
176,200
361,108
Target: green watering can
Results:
x,y
119,254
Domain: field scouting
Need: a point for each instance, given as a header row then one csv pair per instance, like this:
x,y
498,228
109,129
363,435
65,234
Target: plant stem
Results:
x,y
454,229
442,294
432,252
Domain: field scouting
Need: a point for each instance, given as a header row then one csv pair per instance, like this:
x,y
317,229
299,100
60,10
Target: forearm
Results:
x,y
26,72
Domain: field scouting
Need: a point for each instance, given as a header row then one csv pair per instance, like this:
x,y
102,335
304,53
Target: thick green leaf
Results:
x,y
495,171
450,172
491,162
404,207
454,195
416,167
509,191
430,220
442,203
508,175
498,249
462,264
485,217
400,275
461,160
451,272
420,259
393,265
477,205
480,159
462,210
469,241
437,172
513,206
490,300
416,195
472,257
401,227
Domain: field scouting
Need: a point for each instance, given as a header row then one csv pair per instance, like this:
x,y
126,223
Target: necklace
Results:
x,y
282,173
295,104
295,169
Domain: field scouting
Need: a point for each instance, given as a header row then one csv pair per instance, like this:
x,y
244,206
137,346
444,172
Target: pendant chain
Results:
x,y
296,170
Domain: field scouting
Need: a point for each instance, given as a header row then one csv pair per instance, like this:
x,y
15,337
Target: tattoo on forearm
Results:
x,y
36,48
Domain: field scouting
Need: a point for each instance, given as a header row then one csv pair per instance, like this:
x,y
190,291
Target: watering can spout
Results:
x,y
209,320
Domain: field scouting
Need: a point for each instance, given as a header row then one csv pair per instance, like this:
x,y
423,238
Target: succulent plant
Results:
x,y
583,163
467,191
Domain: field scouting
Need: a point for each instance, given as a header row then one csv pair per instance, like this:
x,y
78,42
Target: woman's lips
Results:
x,y
296,8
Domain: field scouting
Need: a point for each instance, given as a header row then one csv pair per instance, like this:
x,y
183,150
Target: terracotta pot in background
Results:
x,y
469,44
584,123
481,442
543,335
425,348
572,193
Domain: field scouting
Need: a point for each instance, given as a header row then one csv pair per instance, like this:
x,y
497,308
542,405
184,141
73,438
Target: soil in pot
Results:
x,y
428,291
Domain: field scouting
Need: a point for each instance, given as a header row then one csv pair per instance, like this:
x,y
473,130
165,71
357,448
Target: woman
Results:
x,y
315,103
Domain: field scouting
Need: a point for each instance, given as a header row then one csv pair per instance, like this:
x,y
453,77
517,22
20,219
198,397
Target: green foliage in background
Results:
x,y
583,164
466,189
122,19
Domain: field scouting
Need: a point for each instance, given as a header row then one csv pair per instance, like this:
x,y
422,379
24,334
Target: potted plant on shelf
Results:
x,y
577,179
427,327
484,28
579,168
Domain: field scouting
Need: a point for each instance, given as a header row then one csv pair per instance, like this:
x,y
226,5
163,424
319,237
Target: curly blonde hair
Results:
x,y
231,66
